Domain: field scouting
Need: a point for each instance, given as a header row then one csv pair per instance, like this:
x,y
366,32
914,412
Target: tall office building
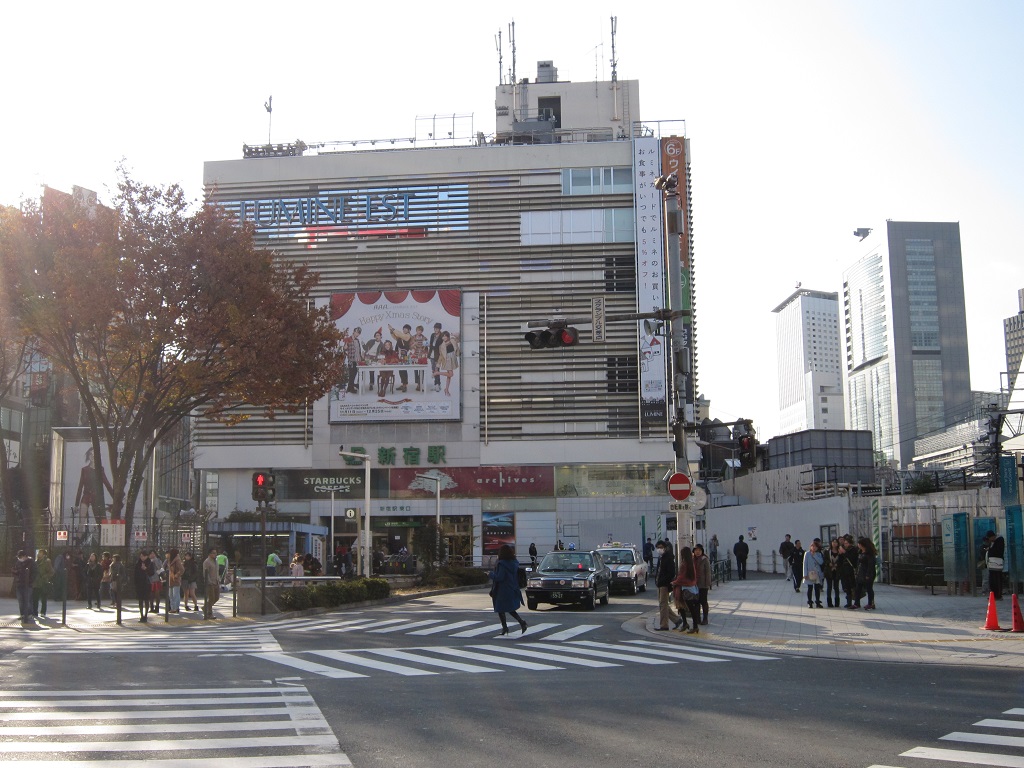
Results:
x,y
907,367
474,243
1013,333
809,349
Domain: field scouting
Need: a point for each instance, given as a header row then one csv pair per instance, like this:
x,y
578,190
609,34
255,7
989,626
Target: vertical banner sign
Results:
x,y
650,276
1014,565
1008,490
876,534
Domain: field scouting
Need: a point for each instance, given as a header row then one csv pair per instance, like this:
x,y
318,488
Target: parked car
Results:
x,y
569,577
629,570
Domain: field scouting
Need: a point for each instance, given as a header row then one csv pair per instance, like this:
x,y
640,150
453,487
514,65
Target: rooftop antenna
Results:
x,y
501,74
512,45
269,106
615,62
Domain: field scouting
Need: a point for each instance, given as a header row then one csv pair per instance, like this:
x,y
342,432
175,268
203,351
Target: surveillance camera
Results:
x,y
667,476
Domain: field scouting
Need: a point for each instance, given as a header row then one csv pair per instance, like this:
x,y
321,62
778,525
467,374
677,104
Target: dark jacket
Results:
x,y
24,572
796,561
666,569
703,566
832,563
786,549
140,576
505,576
865,568
741,549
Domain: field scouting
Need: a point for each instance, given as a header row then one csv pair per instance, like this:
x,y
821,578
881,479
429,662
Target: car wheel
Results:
x,y
643,587
531,604
590,603
636,586
604,599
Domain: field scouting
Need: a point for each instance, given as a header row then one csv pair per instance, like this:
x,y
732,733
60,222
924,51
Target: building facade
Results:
x,y
1013,334
448,254
907,368
809,349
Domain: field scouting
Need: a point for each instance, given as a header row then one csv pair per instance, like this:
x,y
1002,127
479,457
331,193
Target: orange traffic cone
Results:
x,y
992,619
1018,620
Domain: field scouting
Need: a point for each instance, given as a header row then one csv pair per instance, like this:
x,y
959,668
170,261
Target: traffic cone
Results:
x,y
1018,620
992,619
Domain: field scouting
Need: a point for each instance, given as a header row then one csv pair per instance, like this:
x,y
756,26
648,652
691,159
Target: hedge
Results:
x,y
333,593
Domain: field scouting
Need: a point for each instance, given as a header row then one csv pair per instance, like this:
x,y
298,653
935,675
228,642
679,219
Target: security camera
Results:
x,y
667,476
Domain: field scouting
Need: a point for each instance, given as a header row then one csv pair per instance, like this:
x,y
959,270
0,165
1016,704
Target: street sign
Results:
x,y
350,514
679,506
597,318
698,497
140,535
62,535
679,486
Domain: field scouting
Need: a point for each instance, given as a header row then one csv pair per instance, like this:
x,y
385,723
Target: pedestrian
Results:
x,y
649,554
189,580
505,592
222,568
211,580
703,566
41,583
663,577
105,579
175,570
993,549
833,559
274,560
143,590
848,568
741,550
785,550
297,570
866,561
796,564
93,575
533,555
156,580
686,592
24,573
713,547
814,574
118,581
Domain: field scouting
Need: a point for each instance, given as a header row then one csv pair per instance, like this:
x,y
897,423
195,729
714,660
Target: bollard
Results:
x,y
774,564
64,602
117,601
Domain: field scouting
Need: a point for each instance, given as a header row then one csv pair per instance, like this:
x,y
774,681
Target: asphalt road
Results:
x,y
429,683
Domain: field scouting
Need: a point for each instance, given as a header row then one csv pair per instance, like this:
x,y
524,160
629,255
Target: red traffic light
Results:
x,y
553,337
260,480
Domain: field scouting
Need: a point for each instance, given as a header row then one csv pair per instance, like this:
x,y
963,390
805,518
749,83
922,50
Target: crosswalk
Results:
x,y
419,627
541,656
255,727
1000,733
198,641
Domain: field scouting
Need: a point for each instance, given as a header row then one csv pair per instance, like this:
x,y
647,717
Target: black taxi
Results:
x,y
568,577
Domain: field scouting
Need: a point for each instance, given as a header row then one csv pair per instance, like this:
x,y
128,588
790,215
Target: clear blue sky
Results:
x,y
807,119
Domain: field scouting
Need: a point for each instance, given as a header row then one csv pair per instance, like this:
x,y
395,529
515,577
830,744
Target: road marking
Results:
x,y
572,632
403,627
307,666
559,657
461,652
350,658
989,723
445,663
711,651
962,756
490,628
444,628
671,652
576,648
364,624
984,738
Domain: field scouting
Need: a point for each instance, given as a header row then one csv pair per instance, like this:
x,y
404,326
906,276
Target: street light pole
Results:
x,y
437,488
364,562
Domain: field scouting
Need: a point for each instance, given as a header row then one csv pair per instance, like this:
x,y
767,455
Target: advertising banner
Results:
x,y
345,482
474,482
403,355
650,276
498,528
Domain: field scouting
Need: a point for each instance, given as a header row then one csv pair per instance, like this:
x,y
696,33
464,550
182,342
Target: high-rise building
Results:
x,y
810,355
474,243
907,367
1013,333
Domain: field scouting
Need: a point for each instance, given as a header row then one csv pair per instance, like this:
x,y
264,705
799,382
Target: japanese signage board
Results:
x,y
474,482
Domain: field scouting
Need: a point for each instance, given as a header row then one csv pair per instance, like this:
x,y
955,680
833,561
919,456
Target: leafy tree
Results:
x,y
425,539
157,313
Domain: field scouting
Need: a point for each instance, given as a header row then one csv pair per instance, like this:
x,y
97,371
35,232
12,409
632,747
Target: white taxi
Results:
x,y
629,570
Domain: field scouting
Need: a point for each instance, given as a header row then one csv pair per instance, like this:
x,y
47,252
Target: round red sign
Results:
x,y
679,486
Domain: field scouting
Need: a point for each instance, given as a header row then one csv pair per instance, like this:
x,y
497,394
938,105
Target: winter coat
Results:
x,y
796,560
866,568
190,574
141,577
703,572
174,572
44,574
93,573
505,576
118,576
814,562
833,560
741,549
24,572
666,569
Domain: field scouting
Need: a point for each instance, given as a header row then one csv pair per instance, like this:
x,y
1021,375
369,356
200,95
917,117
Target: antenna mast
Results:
x,y
269,106
501,74
615,63
512,43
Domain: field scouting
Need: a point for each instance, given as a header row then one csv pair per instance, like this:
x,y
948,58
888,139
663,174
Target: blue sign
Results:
x,y
1014,565
1008,491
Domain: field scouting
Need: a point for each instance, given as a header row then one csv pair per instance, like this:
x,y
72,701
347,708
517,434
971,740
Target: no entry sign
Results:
x,y
679,486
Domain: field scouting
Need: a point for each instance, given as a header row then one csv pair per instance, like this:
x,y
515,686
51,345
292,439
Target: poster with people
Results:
x,y
403,356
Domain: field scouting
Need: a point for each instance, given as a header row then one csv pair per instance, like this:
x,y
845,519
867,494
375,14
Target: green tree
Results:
x,y
425,540
158,313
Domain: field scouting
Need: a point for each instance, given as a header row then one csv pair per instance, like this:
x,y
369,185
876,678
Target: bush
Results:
x,y
297,599
454,576
333,593
376,589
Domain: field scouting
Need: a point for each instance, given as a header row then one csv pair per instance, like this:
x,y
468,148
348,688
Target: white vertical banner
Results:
x,y
650,275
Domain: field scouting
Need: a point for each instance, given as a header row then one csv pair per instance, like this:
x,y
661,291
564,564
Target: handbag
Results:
x,y
995,563
812,577
690,593
494,589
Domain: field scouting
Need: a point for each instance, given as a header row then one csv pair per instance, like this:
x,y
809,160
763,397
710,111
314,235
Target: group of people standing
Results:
x,y
683,590
846,564
404,346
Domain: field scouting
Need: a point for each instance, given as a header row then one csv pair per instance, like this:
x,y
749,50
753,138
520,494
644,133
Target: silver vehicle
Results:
x,y
629,569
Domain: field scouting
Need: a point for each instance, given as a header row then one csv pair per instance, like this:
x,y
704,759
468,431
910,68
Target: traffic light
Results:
x,y
263,486
678,439
748,452
548,338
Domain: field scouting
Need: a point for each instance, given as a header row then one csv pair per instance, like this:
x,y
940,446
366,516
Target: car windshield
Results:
x,y
567,561
618,556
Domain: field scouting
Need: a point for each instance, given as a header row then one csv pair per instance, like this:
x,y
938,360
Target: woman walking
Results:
x,y
190,580
143,593
686,591
814,574
93,574
175,570
703,566
505,593
866,561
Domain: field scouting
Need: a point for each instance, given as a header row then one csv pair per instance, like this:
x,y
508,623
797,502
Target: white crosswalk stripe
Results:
x,y
203,641
86,730
498,655
1010,740
420,627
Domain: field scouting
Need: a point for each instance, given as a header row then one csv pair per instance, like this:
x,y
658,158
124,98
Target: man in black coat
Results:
x,y
785,551
741,549
663,580
994,548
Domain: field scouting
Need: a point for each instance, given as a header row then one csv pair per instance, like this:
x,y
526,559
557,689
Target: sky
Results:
x,y
807,120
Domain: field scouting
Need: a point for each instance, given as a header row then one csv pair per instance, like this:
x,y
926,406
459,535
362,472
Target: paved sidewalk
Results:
x,y
910,625
81,618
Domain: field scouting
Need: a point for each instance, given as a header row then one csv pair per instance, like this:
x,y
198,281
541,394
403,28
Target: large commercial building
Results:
x,y
809,349
1013,333
447,253
907,367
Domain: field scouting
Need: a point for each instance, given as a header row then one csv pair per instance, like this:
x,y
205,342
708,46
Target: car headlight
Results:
x,y
624,574
534,583
580,583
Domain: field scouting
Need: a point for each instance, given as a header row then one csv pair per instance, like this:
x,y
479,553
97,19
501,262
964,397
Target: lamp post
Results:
x,y
364,562
437,488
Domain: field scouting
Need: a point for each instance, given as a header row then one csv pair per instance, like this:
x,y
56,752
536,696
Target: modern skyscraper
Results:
x,y
907,367
809,349
1013,333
